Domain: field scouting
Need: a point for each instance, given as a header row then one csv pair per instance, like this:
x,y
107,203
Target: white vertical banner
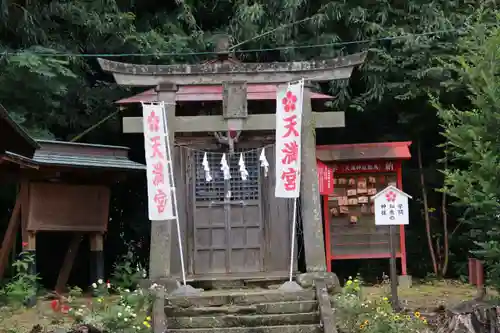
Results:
x,y
158,162
288,139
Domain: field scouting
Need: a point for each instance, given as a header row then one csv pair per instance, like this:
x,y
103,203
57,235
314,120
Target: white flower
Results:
x,y
125,319
127,291
133,315
119,314
108,285
94,285
100,281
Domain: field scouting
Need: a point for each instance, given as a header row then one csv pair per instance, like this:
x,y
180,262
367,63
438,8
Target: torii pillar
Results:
x,y
167,77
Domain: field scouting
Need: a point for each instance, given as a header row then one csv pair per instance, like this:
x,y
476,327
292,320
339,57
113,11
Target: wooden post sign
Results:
x,y
158,163
391,209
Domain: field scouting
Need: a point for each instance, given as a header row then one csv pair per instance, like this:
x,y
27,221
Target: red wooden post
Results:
x,y
472,271
479,274
476,272
402,237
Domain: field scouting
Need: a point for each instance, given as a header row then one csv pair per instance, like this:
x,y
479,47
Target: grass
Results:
x,y
427,296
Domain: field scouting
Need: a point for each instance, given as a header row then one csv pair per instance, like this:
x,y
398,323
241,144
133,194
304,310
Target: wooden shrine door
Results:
x,y
228,228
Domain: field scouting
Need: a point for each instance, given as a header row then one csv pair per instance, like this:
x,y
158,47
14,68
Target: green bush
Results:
x,y
374,316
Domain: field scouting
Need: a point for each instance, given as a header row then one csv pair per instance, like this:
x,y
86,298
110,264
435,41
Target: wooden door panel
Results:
x,y
210,242
246,239
228,234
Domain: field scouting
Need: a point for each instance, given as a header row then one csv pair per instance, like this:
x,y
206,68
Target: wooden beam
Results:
x,y
69,259
256,122
216,73
10,234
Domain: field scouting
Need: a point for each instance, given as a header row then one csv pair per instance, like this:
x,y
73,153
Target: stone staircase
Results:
x,y
244,311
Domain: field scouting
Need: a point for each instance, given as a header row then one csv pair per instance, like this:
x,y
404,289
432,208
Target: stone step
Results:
x,y
240,297
256,320
262,308
260,329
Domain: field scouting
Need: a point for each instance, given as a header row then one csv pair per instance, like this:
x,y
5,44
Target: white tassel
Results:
x,y
206,168
225,167
243,169
263,162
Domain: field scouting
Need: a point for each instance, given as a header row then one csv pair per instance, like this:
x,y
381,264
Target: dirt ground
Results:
x,y
25,319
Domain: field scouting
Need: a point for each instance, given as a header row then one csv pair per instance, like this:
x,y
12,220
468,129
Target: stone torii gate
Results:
x,y
234,76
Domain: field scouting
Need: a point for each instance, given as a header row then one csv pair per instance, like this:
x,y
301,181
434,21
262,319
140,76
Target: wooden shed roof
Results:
x,y
364,151
82,155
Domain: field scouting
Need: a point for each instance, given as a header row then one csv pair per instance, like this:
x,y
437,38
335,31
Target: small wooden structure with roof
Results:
x,y
232,228
360,171
256,233
67,190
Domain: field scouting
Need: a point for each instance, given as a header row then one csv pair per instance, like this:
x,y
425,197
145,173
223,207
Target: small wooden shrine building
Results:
x,y
244,232
360,171
258,226
64,186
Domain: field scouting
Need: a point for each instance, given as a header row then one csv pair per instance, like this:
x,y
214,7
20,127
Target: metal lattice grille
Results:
x,y
240,189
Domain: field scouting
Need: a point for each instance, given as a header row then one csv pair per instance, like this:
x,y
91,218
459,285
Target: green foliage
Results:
x,y
127,272
353,314
23,284
473,140
126,312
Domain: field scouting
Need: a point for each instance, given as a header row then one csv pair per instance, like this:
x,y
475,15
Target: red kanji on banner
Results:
x,y
160,200
290,178
155,141
158,173
290,126
289,101
153,122
291,151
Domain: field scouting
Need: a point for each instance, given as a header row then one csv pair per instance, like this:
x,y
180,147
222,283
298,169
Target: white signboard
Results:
x,y
391,207
160,205
288,135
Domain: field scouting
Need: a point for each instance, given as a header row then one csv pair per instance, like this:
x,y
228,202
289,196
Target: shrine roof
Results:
x,y
364,151
203,93
81,155
13,138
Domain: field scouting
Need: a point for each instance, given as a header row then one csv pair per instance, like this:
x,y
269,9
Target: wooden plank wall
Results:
x,y
277,220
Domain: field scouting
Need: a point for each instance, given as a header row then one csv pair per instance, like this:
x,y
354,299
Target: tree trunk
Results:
x,y
426,210
444,213
471,317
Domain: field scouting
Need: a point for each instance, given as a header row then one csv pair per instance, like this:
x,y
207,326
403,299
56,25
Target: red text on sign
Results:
x,y
156,145
291,123
160,200
158,176
291,151
290,179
